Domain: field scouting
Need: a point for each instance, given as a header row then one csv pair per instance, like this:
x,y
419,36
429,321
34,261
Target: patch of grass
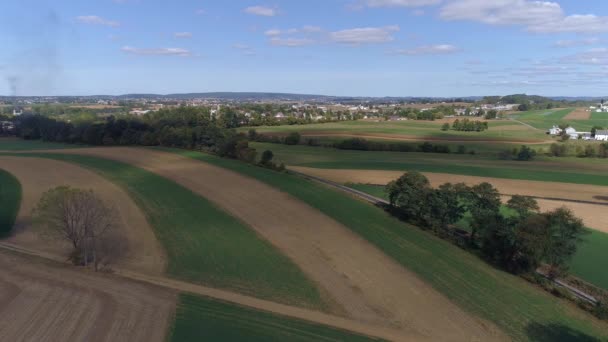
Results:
x,y
571,170
203,319
589,263
411,128
506,300
14,144
203,243
10,201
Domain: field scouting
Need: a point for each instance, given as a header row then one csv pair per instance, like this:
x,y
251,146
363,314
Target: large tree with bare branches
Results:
x,y
79,217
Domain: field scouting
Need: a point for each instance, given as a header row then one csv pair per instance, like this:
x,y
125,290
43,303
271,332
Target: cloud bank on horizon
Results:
x,y
341,47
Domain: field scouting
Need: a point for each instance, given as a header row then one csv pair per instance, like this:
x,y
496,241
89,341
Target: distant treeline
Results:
x,y
184,127
357,144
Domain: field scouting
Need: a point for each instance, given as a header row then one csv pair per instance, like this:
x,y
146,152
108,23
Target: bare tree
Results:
x,y
79,217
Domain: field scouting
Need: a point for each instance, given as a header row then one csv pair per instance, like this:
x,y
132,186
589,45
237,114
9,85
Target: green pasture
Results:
x,y
15,144
521,310
10,201
566,170
204,319
203,243
418,129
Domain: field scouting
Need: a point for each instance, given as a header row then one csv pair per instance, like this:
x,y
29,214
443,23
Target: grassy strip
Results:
x,y
326,158
203,319
524,312
14,144
203,243
10,201
587,263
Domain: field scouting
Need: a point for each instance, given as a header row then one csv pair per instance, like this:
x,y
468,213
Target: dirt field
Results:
x,y
589,212
579,114
42,301
38,175
367,284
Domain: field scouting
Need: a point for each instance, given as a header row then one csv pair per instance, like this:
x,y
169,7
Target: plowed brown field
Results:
x,y
579,114
37,175
42,301
367,284
592,214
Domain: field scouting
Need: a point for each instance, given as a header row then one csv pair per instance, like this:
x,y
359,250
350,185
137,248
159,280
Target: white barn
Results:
x,y
601,135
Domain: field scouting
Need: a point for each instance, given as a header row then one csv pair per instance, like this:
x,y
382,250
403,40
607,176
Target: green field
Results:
x,y
521,310
600,117
545,119
418,129
567,170
587,263
14,144
10,201
202,319
203,243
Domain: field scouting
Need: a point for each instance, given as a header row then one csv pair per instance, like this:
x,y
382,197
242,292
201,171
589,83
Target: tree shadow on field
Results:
x,y
556,333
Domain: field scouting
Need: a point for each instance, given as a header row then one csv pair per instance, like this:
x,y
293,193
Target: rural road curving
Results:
x,y
368,285
38,175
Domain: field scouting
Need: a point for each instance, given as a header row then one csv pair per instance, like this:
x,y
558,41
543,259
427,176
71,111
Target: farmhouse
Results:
x,y
554,130
601,135
601,108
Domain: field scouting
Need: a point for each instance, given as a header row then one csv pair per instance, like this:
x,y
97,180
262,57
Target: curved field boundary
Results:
x,y
10,201
203,244
44,301
549,194
212,295
367,284
37,175
521,310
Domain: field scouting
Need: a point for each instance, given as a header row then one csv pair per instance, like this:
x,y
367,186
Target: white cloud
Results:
x,y
157,51
291,42
261,11
441,49
597,56
245,49
578,42
96,20
311,29
200,11
273,32
536,16
364,35
401,3
182,34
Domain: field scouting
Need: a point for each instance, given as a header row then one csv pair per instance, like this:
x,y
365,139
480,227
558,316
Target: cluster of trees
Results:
x,y
435,113
183,127
466,125
592,150
519,242
524,153
82,219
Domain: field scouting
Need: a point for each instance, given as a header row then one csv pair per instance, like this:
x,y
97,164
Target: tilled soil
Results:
x,y
38,175
44,302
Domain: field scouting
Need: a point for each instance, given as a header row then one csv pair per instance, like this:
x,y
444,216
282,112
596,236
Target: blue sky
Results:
x,y
339,47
